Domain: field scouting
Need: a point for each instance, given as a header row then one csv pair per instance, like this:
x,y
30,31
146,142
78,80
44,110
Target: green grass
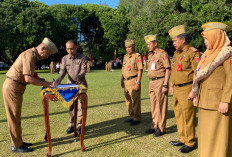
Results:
x,y
106,133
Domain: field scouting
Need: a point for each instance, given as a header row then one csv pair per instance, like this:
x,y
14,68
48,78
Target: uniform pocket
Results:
x,y
215,86
186,63
214,93
135,66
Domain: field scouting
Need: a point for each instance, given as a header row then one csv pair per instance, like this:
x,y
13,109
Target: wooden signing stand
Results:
x,y
45,99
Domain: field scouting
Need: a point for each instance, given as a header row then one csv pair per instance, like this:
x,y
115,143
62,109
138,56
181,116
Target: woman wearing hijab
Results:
x,y
213,87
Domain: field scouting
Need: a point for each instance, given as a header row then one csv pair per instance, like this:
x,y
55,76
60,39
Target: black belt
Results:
x,y
156,78
184,84
16,81
129,78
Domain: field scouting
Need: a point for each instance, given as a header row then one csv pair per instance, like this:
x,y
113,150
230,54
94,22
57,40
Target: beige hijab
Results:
x,y
217,39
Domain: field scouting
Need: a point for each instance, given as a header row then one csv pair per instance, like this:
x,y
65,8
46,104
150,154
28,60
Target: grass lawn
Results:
x,y
106,133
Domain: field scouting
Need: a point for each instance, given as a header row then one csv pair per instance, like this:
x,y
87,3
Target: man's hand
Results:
x,y
191,96
223,107
171,90
136,88
164,90
52,84
194,101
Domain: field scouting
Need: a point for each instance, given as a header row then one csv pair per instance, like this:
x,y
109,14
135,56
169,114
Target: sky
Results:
x,y
110,3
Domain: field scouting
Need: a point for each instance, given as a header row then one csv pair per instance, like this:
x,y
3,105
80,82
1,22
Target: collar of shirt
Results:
x,y
130,55
156,51
73,57
186,47
36,53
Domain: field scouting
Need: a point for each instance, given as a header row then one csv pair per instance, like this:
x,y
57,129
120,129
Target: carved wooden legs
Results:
x,y
47,125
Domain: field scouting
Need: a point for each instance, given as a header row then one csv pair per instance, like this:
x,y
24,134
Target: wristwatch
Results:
x,y
138,82
165,86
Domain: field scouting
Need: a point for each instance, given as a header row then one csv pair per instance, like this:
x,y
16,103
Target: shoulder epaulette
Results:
x,y
138,54
194,49
161,50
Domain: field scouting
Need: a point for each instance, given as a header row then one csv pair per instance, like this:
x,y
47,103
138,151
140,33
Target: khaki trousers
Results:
x,y
133,99
215,134
13,98
79,114
185,114
159,103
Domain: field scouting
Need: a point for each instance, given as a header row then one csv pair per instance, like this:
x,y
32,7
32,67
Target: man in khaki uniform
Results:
x,y
75,65
131,76
88,67
183,66
52,67
19,75
158,73
106,64
213,84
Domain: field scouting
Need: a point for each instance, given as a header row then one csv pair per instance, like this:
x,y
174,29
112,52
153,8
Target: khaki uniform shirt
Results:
x,y
131,65
183,65
75,67
24,65
158,62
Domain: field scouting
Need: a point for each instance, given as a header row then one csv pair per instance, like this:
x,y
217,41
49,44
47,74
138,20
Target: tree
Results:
x,y
25,24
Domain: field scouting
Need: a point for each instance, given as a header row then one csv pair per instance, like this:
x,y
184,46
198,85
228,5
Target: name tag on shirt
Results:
x,y
153,66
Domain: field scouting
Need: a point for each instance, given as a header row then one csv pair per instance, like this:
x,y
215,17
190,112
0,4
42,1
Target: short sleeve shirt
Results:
x,y
158,62
183,65
24,65
131,65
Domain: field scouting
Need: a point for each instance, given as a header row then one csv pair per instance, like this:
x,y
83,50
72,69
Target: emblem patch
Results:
x,y
197,59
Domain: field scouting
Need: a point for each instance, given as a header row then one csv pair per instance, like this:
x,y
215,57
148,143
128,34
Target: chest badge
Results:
x,y
197,59
179,67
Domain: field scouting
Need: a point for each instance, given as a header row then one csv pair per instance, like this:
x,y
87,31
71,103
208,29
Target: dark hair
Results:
x,y
72,41
184,35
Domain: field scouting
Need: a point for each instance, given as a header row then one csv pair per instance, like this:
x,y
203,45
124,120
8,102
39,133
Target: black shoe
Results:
x,y
158,133
150,131
186,149
128,120
70,130
176,143
27,144
22,149
79,130
134,122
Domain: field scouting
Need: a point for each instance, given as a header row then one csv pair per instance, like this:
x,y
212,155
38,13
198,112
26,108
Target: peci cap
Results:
x,y
149,38
177,30
50,45
129,42
215,25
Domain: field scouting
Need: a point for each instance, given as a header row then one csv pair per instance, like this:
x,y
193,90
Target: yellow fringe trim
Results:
x,y
60,98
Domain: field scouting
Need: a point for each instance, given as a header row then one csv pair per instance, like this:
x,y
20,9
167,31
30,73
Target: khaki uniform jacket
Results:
x,y
217,87
75,67
158,62
188,58
131,65
24,65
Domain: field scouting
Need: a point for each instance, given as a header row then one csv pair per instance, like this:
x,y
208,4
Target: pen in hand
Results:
x,y
54,83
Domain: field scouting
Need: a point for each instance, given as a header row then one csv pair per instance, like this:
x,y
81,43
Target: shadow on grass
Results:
x,y
108,128
63,112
